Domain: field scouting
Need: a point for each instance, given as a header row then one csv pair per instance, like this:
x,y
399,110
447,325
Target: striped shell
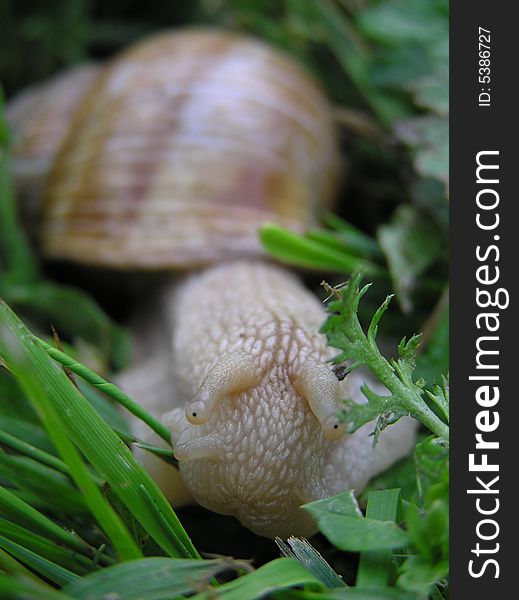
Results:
x,y
39,119
182,147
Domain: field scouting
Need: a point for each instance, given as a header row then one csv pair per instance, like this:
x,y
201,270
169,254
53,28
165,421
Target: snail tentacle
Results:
x,y
230,375
318,384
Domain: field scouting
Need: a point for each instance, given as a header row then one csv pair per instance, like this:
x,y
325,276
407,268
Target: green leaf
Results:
x,y
310,253
419,575
23,447
148,579
377,407
428,140
440,398
431,460
341,521
20,358
411,244
428,526
105,408
401,475
108,388
375,566
277,574
353,238
395,68
396,21
432,92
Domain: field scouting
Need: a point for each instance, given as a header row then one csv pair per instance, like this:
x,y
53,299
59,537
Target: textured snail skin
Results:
x,y
252,402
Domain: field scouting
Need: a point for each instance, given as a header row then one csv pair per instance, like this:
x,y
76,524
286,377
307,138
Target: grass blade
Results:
x,y
307,555
277,574
19,511
13,244
29,432
10,565
375,566
98,505
29,450
148,579
28,474
37,563
108,388
36,543
25,589
302,251
95,439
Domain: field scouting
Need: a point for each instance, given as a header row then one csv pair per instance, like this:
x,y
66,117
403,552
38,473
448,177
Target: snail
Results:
x,y
174,153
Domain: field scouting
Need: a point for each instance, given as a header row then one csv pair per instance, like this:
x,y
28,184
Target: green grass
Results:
x,y
93,479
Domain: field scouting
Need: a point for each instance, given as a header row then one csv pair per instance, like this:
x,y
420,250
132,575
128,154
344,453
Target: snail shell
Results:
x,y
39,119
181,147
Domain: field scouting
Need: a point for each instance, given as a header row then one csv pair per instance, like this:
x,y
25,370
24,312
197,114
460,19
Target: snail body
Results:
x,y
255,423
179,149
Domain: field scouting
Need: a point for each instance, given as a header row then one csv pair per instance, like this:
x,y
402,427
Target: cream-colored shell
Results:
x,y
39,118
252,402
185,144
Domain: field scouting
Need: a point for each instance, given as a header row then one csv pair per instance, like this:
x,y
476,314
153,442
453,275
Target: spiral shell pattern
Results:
x,y
183,146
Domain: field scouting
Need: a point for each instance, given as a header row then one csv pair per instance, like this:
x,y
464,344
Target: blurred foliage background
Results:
x,y
383,63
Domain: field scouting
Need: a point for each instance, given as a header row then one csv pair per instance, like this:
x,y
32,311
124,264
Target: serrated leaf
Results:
x,y
440,398
378,407
405,397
